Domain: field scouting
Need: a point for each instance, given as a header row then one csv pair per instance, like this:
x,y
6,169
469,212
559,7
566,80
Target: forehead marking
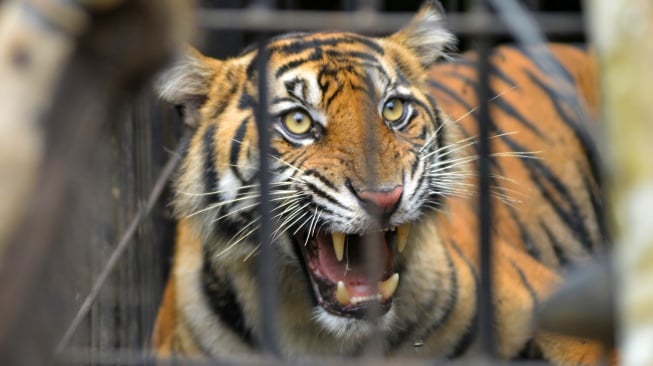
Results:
x,y
303,86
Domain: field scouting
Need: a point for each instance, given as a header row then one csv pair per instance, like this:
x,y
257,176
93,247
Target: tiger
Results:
x,y
374,144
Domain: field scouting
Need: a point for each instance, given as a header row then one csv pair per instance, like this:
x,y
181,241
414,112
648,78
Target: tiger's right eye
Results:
x,y
297,122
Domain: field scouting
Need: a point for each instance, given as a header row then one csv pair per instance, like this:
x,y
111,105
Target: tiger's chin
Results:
x,y
352,329
353,277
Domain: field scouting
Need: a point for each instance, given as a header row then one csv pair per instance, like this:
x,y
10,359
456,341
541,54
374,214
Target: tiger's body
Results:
x,y
374,144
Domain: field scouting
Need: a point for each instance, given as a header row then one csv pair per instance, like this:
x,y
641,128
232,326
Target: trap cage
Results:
x,y
100,229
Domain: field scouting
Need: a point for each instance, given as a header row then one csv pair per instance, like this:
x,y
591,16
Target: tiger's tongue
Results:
x,y
353,270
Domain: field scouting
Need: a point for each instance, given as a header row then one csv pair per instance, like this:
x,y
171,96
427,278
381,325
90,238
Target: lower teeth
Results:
x,y
358,299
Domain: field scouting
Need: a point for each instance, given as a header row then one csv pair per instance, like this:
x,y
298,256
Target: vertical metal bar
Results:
x,y
266,265
372,239
374,346
266,261
485,308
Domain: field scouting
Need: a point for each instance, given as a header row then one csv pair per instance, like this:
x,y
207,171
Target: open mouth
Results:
x,y
343,280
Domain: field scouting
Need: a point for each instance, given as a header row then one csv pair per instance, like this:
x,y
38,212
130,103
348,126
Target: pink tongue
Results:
x,y
352,270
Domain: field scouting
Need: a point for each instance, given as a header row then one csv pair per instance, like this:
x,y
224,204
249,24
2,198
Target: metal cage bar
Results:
x,y
484,305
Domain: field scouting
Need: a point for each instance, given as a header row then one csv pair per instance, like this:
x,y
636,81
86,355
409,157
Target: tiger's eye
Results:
x,y
297,122
393,110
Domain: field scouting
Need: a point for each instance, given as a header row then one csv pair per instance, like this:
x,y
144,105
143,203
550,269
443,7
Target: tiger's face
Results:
x,y
359,152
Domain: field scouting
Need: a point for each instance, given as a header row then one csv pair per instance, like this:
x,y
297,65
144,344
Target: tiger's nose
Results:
x,y
382,203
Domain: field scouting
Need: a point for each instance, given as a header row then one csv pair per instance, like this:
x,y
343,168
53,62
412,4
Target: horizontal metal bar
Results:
x,y
373,22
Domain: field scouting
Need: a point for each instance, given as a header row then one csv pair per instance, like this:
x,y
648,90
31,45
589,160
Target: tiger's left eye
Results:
x,y
393,110
297,122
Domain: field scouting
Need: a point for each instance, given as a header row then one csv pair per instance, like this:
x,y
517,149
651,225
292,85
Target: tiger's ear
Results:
x,y
187,83
426,34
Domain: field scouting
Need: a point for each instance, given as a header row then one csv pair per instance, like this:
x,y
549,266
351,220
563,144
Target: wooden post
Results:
x,y
624,40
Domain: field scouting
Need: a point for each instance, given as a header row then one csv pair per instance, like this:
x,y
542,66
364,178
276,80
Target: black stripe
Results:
x,y
419,183
563,260
351,56
314,56
541,174
236,145
408,122
506,108
324,211
323,195
470,334
435,111
524,234
247,101
322,178
596,200
423,135
527,284
413,169
401,76
290,86
466,340
494,70
302,45
530,351
589,148
221,297
427,108
224,100
571,218
465,106
333,96
289,160
210,173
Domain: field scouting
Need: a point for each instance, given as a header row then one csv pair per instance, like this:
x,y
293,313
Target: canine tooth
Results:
x,y
338,245
402,236
389,286
342,295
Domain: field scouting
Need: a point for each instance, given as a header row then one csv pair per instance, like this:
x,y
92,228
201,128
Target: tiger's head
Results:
x,y
359,152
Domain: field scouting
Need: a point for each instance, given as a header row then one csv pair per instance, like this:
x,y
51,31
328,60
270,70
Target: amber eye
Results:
x,y
297,122
393,110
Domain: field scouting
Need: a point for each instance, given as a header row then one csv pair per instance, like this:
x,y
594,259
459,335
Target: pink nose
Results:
x,y
381,202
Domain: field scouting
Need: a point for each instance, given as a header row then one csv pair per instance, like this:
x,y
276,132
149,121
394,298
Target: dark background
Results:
x,y
223,44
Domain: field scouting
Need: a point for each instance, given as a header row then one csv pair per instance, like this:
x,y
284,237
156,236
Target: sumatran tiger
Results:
x,y
374,140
